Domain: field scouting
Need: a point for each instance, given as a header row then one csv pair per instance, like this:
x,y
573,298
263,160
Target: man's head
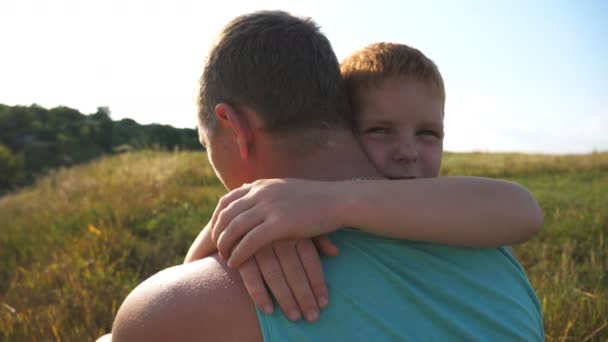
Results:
x,y
269,74
398,98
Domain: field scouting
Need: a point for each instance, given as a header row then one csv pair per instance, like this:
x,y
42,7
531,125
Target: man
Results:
x,y
273,105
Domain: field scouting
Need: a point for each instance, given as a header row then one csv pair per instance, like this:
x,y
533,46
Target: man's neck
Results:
x,y
340,158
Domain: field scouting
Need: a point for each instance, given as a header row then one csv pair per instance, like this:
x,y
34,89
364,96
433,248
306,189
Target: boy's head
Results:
x,y
398,96
272,76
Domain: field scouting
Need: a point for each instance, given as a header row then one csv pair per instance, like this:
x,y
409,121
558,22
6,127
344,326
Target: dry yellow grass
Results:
x,y
73,245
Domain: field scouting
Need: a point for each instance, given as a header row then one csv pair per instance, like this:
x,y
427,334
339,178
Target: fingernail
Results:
x,y
294,315
312,316
268,309
230,263
323,301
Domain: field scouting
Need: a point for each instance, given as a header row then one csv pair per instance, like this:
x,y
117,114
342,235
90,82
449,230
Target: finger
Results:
x,y
226,200
325,246
244,223
254,283
256,239
229,213
309,257
296,278
274,278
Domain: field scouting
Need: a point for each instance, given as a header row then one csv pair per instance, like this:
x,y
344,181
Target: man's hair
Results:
x,y
376,63
279,65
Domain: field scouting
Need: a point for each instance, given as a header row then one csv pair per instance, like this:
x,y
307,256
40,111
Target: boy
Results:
x,y
398,97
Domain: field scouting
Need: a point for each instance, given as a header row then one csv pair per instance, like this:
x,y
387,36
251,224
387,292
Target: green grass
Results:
x,y
73,245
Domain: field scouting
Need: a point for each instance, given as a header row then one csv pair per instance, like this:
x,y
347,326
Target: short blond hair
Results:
x,y
379,62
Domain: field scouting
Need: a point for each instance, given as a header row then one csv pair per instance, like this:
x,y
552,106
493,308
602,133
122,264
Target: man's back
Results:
x,y
380,289
389,289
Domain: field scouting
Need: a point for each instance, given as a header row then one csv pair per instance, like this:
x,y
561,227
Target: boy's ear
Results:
x,y
238,124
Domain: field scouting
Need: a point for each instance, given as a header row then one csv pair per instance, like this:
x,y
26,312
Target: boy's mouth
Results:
x,y
402,177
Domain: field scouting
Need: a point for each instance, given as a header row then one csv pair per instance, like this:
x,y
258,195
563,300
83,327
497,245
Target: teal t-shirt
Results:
x,y
387,289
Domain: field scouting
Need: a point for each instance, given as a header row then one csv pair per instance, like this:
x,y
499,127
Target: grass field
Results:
x,y
74,244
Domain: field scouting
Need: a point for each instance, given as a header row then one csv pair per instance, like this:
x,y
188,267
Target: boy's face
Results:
x,y
400,126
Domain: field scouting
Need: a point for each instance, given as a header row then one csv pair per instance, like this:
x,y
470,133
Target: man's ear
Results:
x,y
239,125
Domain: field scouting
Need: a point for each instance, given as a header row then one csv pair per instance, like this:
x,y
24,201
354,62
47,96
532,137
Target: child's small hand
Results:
x,y
254,215
292,271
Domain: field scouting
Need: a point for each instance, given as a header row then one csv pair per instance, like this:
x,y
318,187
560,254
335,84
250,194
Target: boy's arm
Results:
x,y
465,211
291,270
202,246
462,211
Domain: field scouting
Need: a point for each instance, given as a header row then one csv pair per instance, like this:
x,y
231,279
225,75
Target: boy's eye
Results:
x,y
429,132
377,130
426,132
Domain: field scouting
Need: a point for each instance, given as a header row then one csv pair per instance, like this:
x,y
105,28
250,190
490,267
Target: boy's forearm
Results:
x,y
202,246
463,211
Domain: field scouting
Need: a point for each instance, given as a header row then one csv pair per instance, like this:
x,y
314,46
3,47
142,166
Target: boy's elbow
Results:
x,y
533,217
537,219
529,219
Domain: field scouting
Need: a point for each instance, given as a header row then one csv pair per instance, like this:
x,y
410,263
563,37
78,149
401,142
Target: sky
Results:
x,y
521,76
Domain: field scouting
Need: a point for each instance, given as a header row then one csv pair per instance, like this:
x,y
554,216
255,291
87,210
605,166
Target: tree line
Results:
x,y
34,139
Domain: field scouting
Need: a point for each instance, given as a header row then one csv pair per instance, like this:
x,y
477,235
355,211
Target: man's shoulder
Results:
x,y
202,299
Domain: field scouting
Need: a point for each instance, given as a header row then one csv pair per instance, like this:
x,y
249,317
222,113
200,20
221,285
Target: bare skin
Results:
x,y
461,211
302,292
206,298
182,303
400,127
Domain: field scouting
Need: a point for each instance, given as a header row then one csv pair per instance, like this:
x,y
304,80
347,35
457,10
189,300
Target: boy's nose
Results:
x,y
406,153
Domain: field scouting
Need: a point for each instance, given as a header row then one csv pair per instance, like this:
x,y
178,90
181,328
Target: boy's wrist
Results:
x,y
345,202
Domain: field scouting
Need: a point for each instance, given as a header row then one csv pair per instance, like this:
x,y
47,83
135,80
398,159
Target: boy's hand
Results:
x,y
271,210
292,271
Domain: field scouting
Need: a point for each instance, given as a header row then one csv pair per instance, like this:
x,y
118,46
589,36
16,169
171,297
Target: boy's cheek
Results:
x,y
378,157
432,160
376,152
370,147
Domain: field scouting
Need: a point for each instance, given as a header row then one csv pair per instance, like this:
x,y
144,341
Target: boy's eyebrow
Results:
x,y
378,118
436,126
376,121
